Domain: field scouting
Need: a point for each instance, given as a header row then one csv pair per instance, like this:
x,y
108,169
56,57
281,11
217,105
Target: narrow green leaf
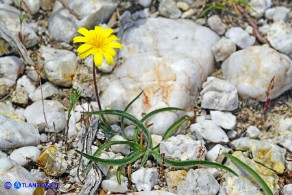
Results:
x,y
190,163
126,109
106,130
251,172
174,126
145,158
133,145
158,111
110,143
118,174
135,135
114,162
131,118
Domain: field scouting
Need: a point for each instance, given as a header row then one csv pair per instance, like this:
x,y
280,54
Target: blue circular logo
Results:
x,y
7,185
17,185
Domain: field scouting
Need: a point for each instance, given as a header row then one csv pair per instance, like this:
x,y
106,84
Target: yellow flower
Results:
x,y
100,43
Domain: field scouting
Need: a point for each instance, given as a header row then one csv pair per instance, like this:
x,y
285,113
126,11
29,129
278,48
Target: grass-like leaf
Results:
x,y
131,118
110,143
114,162
251,172
105,129
190,163
118,174
158,111
145,158
126,109
174,126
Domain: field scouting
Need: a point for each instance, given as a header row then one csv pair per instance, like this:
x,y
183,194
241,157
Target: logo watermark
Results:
x,y
17,185
7,185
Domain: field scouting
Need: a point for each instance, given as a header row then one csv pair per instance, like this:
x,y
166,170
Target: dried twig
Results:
x,y
268,93
12,40
253,23
69,9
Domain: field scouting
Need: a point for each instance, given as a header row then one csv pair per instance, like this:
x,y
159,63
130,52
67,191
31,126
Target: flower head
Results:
x,y
100,43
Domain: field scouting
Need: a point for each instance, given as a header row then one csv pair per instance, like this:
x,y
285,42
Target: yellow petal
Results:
x,y
107,32
98,29
85,50
110,51
115,45
98,59
79,39
83,31
111,38
109,58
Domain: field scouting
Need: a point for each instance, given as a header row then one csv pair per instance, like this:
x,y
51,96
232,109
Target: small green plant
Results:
x,y
73,99
144,150
251,172
21,19
223,5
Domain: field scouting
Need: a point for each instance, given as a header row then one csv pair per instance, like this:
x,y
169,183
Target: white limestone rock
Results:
x,y
251,71
14,132
287,189
240,37
183,147
198,181
183,6
145,178
219,94
26,154
9,67
209,131
216,24
63,25
129,131
156,139
172,66
10,171
285,124
285,141
55,115
253,132
280,37
10,17
48,90
153,192
259,7
216,153
277,13
83,81
112,185
232,134
8,2
26,83
226,120
145,3
243,184
168,8
223,49
19,96
59,65
268,154
189,14
120,148
33,5
174,178
107,155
